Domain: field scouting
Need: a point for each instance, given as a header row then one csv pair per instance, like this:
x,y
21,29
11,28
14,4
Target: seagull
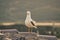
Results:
x,y
29,22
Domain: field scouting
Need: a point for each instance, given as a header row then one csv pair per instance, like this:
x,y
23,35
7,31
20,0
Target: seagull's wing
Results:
x,y
32,23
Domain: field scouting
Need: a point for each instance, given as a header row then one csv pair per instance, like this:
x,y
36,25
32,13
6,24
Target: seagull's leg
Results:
x,y
29,30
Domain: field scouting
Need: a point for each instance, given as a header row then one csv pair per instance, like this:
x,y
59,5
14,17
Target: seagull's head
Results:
x,y
28,12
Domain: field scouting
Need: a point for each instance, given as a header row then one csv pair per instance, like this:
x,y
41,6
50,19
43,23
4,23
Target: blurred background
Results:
x,y
42,10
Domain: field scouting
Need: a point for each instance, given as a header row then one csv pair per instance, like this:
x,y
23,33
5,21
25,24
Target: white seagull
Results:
x,y
29,22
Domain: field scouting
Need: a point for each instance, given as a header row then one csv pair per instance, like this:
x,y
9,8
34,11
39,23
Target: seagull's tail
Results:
x,y
34,26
